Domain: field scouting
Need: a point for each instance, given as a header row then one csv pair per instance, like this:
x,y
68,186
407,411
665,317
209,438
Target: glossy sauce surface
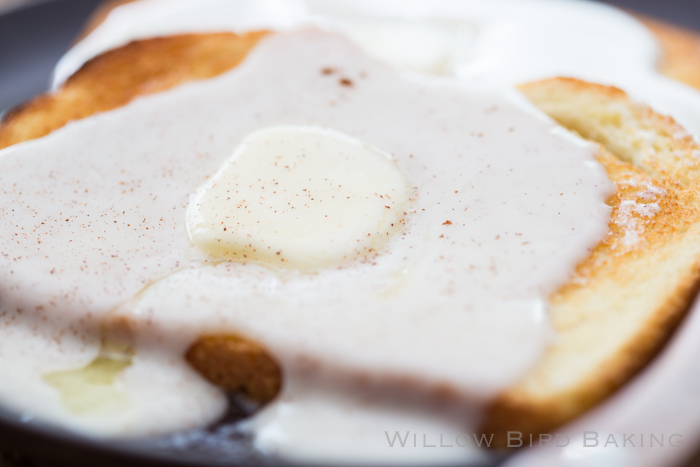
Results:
x,y
503,205
431,309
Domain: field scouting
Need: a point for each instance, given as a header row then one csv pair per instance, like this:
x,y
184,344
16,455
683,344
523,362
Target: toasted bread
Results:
x,y
627,297
615,313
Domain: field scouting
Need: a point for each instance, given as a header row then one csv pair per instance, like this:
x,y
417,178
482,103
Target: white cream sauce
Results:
x,y
417,290
505,205
496,42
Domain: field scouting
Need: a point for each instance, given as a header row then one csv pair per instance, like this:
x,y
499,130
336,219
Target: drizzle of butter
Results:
x,y
299,197
92,389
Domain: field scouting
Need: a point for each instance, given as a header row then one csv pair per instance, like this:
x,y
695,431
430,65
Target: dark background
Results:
x,y
32,39
683,12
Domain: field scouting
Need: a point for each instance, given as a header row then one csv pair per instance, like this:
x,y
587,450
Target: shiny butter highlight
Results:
x,y
299,197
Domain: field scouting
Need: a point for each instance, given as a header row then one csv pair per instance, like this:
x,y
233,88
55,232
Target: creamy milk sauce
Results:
x,y
444,302
503,204
497,42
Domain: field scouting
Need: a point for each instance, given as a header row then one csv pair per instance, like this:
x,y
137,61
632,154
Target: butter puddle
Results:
x,y
91,389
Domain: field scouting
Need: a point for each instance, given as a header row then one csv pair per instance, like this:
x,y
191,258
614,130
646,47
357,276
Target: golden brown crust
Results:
x,y
114,78
236,365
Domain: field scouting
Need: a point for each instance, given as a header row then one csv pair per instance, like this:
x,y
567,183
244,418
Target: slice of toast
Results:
x,y
626,298
618,309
